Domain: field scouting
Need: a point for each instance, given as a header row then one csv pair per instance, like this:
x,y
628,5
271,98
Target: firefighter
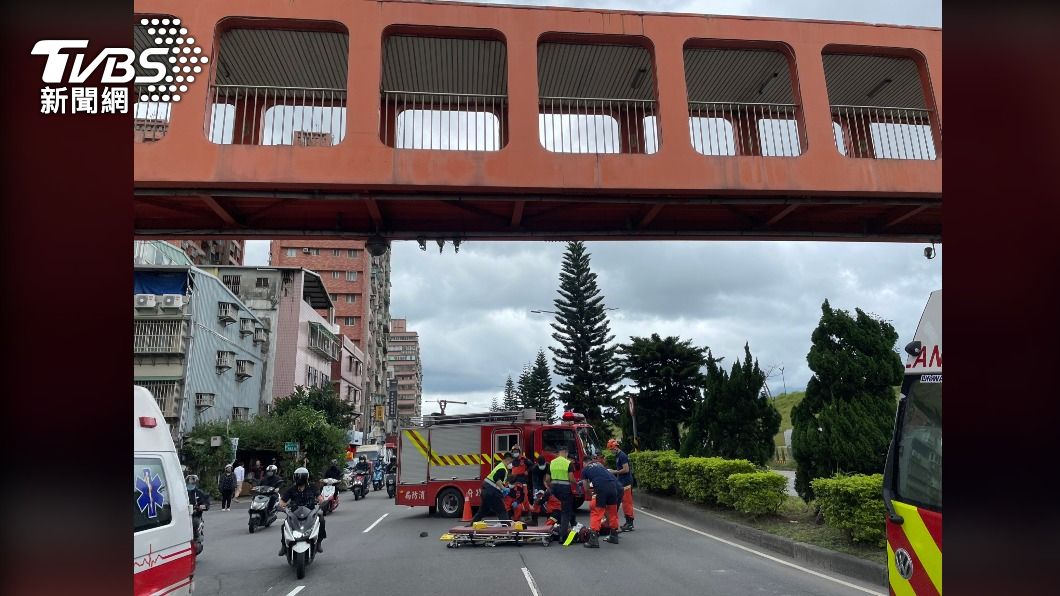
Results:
x,y
519,478
494,489
558,479
625,478
604,502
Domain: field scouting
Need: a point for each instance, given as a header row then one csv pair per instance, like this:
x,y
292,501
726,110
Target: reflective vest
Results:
x,y
558,470
489,478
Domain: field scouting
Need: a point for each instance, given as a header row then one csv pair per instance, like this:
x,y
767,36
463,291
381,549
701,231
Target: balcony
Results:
x,y
261,335
227,312
246,326
165,336
168,394
323,342
244,369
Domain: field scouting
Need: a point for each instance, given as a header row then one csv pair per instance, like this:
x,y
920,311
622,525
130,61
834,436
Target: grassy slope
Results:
x,y
784,403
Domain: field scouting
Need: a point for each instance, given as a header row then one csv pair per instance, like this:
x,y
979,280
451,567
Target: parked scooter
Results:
x,y
360,485
377,477
331,495
263,507
347,479
391,484
300,532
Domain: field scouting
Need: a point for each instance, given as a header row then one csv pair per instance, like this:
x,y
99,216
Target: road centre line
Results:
x,y
369,528
764,555
530,581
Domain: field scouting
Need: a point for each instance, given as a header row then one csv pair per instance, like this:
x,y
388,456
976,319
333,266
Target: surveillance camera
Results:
x,y
929,252
377,246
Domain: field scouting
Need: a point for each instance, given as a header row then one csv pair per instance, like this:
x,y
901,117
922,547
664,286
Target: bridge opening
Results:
x,y
597,95
153,104
280,85
878,104
444,91
742,101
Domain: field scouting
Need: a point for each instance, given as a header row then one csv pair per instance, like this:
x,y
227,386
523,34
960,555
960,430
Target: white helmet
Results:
x,y
301,476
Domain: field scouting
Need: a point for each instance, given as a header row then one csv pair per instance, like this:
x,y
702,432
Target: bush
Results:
x,y
718,472
654,470
757,493
609,459
693,478
853,504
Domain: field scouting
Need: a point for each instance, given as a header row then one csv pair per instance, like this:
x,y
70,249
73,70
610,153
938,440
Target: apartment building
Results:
x,y
359,286
212,252
403,356
196,346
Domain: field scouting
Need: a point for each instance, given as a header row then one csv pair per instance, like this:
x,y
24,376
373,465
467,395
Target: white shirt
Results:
x,y
239,471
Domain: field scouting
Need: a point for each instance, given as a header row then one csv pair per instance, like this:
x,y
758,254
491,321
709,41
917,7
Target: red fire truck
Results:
x,y
443,458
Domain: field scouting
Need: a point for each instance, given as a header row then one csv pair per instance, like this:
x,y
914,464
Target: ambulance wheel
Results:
x,y
450,502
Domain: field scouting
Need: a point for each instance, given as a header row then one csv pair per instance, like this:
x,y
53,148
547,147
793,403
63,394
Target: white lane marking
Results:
x,y
296,590
764,555
369,528
530,581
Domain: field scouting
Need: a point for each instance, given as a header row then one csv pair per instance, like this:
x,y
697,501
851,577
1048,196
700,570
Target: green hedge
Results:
x,y
718,472
757,493
654,470
855,504
609,459
693,478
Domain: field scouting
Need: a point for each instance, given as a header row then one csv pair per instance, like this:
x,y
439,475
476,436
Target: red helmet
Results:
x,y
612,444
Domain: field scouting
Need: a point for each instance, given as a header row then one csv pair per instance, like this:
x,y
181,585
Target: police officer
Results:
x,y
625,478
494,489
303,494
559,479
605,502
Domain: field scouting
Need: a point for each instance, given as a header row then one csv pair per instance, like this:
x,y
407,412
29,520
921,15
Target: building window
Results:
x,y
261,282
354,253
232,282
324,380
291,252
335,252
310,376
351,298
240,413
311,251
351,276
336,274
334,298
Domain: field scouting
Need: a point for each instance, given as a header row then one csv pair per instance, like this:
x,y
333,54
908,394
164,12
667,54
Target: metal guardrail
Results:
x,y
872,132
263,115
444,121
735,128
598,125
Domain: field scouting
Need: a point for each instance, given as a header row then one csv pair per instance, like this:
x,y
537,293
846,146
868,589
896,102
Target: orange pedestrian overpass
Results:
x,y
438,120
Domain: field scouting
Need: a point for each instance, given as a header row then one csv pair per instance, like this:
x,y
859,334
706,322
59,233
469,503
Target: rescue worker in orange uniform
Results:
x,y
625,477
518,498
604,502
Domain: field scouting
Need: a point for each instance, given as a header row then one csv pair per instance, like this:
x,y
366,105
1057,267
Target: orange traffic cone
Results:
x,y
467,508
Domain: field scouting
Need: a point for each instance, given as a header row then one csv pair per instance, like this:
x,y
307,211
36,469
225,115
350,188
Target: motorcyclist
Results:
x,y
334,471
303,494
271,478
362,466
199,500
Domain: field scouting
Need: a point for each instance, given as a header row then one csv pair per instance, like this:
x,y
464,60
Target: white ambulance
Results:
x,y
163,557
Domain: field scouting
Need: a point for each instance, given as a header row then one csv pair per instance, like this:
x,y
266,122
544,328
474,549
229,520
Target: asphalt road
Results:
x,y
391,558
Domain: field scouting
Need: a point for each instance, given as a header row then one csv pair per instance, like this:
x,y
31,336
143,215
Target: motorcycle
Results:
x,y
391,484
198,526
347,479
331,495
300,531
360,485
377,478
263,507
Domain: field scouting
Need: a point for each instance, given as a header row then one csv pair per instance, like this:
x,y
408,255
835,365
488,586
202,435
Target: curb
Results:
x,y
809,554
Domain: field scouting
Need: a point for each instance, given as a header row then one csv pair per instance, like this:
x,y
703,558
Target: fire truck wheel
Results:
x,y
450,502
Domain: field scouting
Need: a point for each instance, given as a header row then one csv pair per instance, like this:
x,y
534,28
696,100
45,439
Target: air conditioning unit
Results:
x,y
145,301
305,251
172,302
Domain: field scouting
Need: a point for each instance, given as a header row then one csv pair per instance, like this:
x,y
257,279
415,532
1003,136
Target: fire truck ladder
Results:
x,y
528,415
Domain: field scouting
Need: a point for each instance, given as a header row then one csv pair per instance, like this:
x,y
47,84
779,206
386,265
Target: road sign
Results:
x,y
379,415
290,446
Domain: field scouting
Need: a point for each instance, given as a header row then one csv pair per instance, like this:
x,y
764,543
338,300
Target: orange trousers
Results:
x,y
627,502
596,516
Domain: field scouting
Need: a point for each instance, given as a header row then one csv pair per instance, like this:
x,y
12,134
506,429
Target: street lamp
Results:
x,y
552,312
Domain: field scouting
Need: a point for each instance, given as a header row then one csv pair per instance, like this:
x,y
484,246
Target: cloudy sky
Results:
x,y
472,309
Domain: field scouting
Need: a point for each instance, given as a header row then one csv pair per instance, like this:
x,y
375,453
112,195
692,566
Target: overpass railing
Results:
x,y
874,132
444,121
734,128
598,125
264,115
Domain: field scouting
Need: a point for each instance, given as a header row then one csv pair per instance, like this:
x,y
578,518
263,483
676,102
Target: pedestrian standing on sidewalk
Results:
x,y
625,477
227,486
240,473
